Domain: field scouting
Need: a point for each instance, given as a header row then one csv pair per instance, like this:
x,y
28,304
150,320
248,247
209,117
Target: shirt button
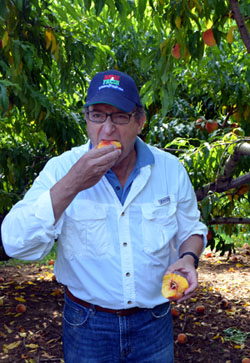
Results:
x,y
117,188
123,214
127,274
125,244
129,302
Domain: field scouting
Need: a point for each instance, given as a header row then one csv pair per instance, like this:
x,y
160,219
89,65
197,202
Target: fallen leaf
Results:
x,y
12,345
7,328
20,299
32,346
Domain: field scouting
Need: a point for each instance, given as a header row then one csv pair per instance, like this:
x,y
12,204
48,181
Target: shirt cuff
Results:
x,y
44,212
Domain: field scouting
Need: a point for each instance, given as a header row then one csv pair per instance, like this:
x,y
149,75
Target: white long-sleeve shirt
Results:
x,y
109,254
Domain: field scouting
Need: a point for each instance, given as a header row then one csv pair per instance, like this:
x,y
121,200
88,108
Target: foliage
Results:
x,y
50,50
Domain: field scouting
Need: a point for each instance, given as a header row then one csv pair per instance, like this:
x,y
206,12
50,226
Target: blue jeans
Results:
x,y
91,336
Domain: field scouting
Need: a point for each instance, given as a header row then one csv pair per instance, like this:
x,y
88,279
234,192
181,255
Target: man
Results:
x,y
122,218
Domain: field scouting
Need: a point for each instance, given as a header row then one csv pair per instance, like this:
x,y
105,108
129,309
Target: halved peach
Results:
x,y
102,143
173,286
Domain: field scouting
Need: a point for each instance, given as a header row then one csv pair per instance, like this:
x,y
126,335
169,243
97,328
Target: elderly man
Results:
x,y
123,217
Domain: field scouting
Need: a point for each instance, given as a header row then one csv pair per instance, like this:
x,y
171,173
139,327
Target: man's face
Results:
x,y
125,134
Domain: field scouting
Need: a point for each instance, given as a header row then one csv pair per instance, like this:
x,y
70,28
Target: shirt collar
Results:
x,y
144,154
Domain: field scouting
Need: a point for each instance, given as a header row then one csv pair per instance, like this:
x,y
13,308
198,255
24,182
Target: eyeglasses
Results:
x,y
119,118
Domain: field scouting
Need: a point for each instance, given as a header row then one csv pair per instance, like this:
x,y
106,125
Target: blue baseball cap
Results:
x,y
113,88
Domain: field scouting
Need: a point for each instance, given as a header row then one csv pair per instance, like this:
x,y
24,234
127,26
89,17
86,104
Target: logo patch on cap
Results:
x,y
111,81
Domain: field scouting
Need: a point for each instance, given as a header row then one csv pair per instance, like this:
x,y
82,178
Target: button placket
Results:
x,y
126,259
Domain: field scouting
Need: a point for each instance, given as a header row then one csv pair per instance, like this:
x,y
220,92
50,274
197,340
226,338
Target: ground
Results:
x,y
220,334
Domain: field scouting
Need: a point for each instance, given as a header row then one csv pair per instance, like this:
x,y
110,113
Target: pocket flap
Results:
x,y
81,210
151,211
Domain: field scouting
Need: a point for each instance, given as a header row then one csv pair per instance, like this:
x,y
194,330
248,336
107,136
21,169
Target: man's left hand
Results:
x,y
185,266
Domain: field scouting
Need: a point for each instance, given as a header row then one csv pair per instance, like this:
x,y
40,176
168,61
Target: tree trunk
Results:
x,y
234,6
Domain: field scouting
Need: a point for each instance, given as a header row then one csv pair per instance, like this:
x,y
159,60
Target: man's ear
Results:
x,y
141,122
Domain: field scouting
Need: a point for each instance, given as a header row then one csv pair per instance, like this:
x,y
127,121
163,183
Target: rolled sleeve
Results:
x,y
188,215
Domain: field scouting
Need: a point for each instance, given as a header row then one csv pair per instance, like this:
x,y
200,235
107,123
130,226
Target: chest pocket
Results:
x,y
85,231
159,225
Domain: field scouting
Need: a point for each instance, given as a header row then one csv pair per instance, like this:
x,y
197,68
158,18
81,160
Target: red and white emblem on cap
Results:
x,y
111,79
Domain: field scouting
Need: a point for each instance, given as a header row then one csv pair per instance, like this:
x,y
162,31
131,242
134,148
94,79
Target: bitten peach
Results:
x,y
102,143
173,286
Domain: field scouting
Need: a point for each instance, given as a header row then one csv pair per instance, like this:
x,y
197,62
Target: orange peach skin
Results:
x,y
117,144
173,286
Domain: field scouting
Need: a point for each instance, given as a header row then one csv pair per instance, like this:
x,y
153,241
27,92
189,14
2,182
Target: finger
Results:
x,y
109,159
99,158
105,149
185,297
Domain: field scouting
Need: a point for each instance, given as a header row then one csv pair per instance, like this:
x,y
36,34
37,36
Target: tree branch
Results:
x,y
234,6
222,185
230,220
241,149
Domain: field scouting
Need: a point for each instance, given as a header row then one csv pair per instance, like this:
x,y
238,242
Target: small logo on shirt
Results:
x,y
164,200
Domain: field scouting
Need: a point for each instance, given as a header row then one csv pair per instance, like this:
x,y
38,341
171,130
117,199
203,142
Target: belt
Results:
x,y
122,312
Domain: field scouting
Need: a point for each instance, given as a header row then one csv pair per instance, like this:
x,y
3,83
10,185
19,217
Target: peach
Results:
x,y
224,304
198,123
176,51
51,262
173,286
57,292
20,308
211,126
209,235
182,338
175,312
243,189
234,259
208,38
102,143
245,360
177,54
200,309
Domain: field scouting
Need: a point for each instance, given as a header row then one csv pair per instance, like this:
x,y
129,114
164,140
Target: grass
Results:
x,y
44,261
238,241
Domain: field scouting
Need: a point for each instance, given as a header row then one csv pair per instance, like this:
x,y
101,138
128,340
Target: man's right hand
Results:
x,y
90,168
84,174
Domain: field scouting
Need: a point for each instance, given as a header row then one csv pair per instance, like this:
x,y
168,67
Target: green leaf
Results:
x,y
99,4
87,4
235,335
71,10
62,13
141,7
4,99
3,9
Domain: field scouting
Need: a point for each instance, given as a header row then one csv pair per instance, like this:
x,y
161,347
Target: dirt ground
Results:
x,y
220,334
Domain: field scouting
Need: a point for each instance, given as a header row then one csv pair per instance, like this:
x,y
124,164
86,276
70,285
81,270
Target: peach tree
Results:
x,y
190,59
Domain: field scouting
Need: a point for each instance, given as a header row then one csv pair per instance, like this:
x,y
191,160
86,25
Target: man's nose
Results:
x,y
108,125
